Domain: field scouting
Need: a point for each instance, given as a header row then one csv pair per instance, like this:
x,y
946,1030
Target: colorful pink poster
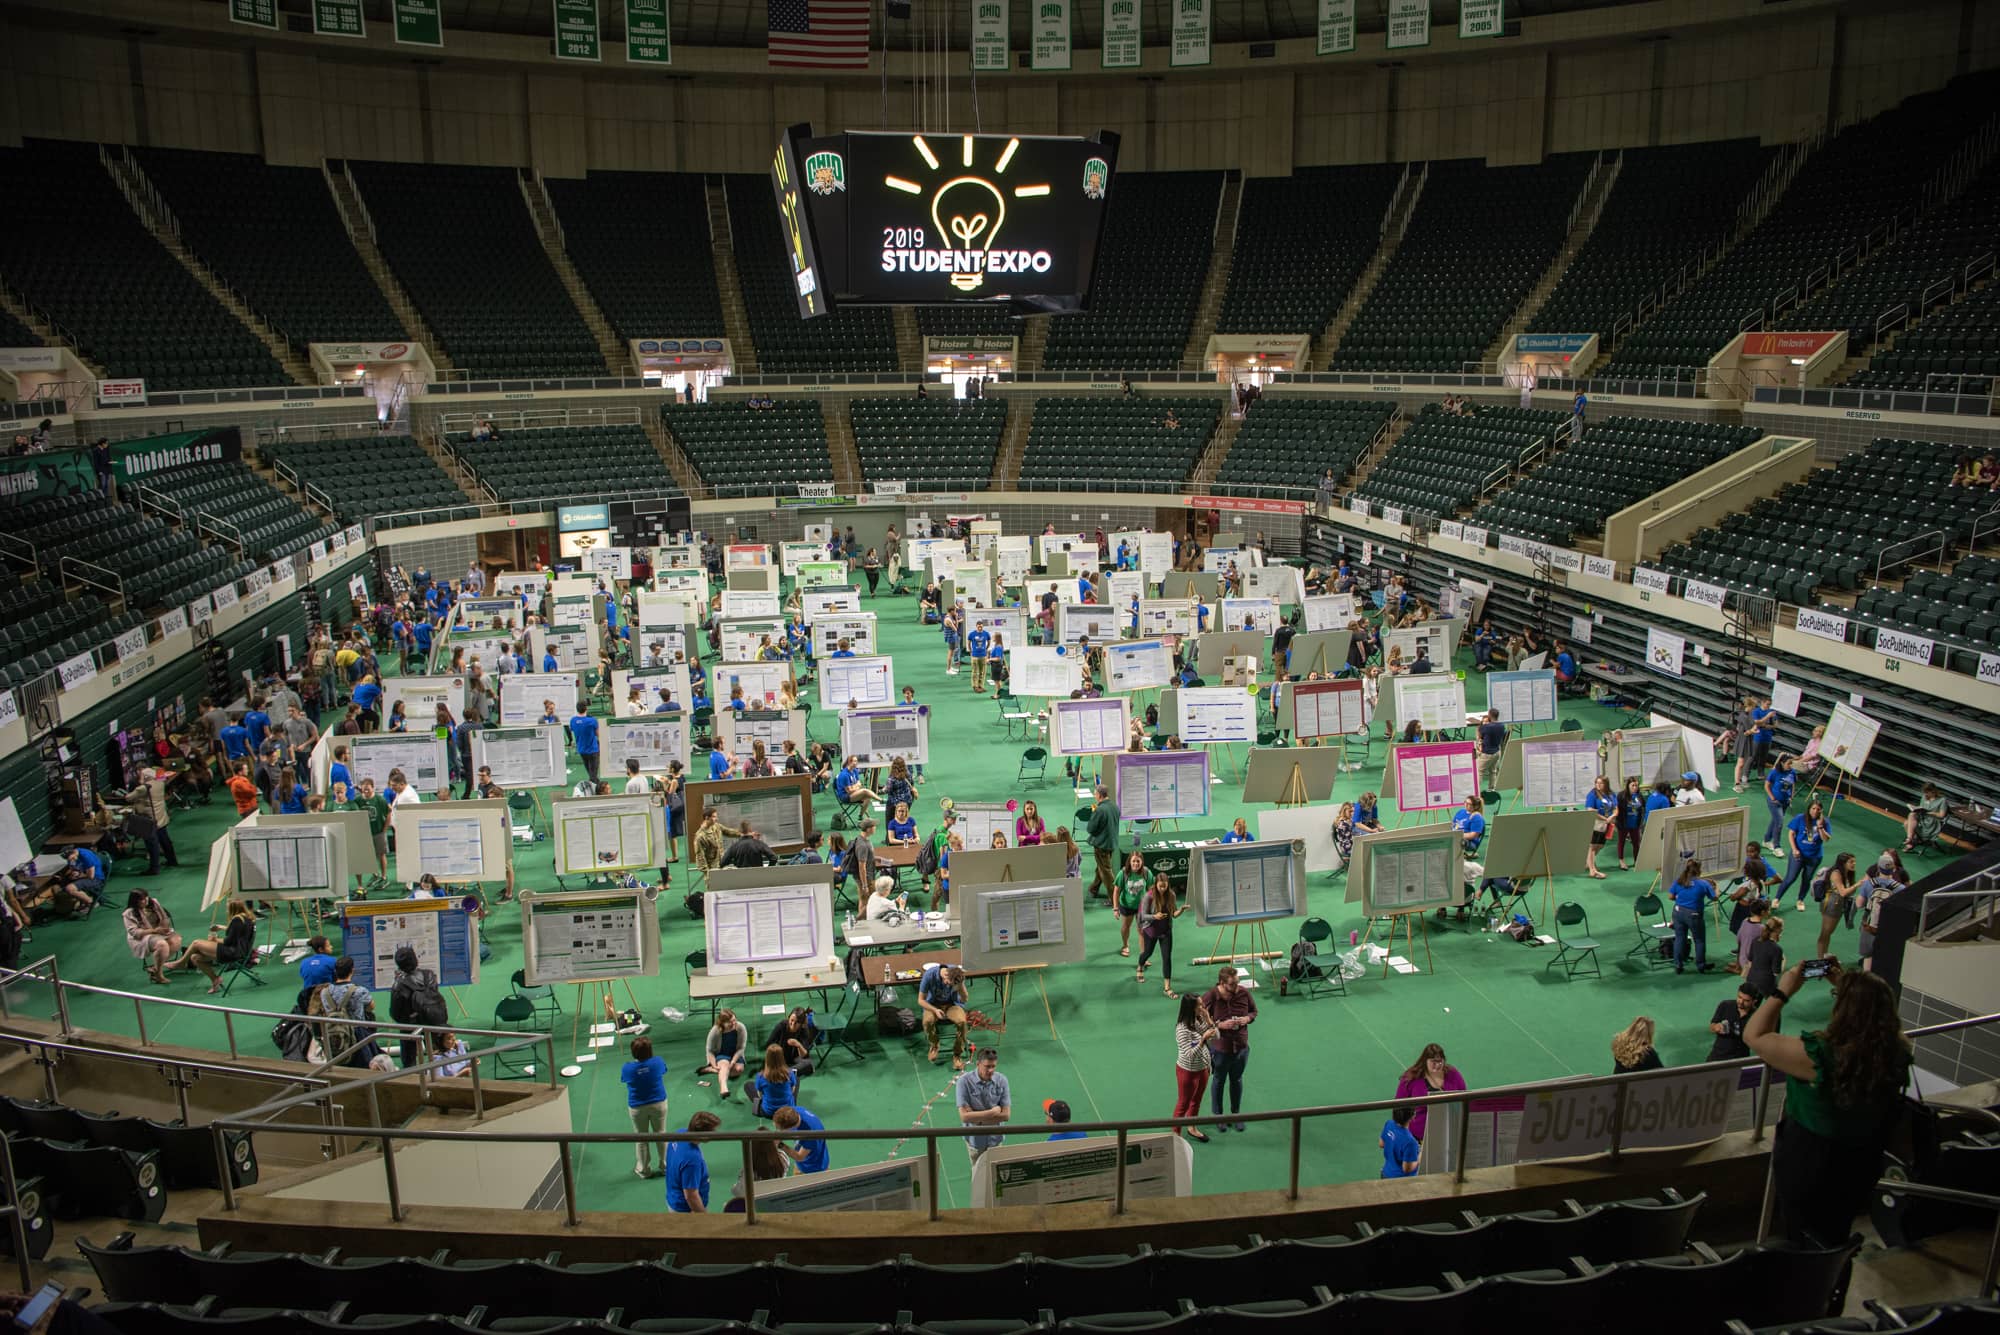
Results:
x,y
1435,776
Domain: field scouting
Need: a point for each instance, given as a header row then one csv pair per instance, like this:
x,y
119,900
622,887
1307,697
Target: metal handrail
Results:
x,y
565,1141
1990,1280
17,548
92,574
1921,544
1949,897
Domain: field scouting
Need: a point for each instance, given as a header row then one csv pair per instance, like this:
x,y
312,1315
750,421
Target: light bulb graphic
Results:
x,y
970,210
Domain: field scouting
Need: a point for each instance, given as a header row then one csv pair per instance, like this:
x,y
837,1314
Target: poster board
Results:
x,y
1281,584
14,850
864,681
1007,625
1697,748
1045,670
1215,714
589,936
522,695
283,862
1327,611
978,820
1787,698
611,562
515,583
1310,709
1259,881
743,637
1038,864
1157,1167
969,584
1258,614
1513,843
574,647
790,554
420,697
1268,777
1163,617
603,835
1159,785
1309,827
1557,771
649,681
421,757
763,683
1664,651
654,740
1436,700
1650,755
441,931
745,556
736,729
1184,584
351,853
814,573
531,757
778,808
1075,621
1137,665
763,920
1090,727
1850,737
1318,651
1211,648
829,600
1437,638
1407,871
1019,923
752,603
892,732
894,1184
1714,832
457,842
1522,697
856,628
1431,776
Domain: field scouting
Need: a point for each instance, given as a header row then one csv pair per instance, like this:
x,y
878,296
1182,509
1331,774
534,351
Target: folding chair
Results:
x,y
1034,765
236,970
1651,930
542,998
515,1014
1317,978
832,1028
1574,952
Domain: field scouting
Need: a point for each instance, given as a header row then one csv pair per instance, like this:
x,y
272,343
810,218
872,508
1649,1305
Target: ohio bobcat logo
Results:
x,y
826,174
1096,172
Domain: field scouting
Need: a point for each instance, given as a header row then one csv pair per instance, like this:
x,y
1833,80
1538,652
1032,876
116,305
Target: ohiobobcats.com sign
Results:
x,y
137,460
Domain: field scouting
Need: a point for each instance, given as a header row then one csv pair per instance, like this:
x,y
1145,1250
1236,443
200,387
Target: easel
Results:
x,y
596,993
1294,794
1260,945
1007,996
1528,873
1412,923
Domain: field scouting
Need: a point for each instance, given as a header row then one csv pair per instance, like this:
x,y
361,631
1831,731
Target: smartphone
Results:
x,y
36,1308
1818,968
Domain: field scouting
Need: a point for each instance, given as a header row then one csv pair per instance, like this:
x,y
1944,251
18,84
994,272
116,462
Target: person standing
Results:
x,y
1692,895
1805,839
1836,899
1195,1034
1102,835
583,734
1131,893
1767,957
1778,797
1492,741
1602,803
1576,410
810,1153
1631,821
1843,1097
1401,1150
977,641
645,1081
1157,912
983,1100
686,1171
1431,1074
1233,1010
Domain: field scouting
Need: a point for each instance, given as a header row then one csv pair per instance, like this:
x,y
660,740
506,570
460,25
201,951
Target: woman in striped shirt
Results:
x,y
1193,1032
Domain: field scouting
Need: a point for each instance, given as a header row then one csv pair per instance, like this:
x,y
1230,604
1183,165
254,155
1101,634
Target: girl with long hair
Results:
x,y
1194,1030
1125,903
1157,912
1632,1047
149,932
1429,1074
238,941
1603,804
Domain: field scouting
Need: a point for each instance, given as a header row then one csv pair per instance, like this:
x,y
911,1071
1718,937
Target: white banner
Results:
x,y
815,490
1909,648
1121,34
1049,35
1481,18
1825,625
1194,26
1989,669
1663,1111
1336,27
1600,567
1655,580
74,672
131,642
1409,23
989,35
1475,536
10,709
1705,595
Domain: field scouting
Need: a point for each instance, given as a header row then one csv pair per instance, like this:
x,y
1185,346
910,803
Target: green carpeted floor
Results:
x,y
1500,1016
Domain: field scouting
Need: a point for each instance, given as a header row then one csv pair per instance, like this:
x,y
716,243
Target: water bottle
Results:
x,y
1493,922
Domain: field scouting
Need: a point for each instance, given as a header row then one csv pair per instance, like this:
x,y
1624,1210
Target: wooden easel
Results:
x,y
1528,873
1413,922
1007,997
1294,794
1260,945
596,994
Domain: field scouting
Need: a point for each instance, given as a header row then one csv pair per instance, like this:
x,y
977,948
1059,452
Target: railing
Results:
x,y
360,204
1951,907
527,419
1982,525
1395,198
320,498
1923,544
16,548
532,185
220,530
1990,1279
92,574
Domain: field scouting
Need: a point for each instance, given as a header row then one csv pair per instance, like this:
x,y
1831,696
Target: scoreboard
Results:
x,y
923,219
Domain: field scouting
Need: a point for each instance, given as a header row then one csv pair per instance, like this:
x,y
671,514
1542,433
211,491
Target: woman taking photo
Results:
x,y
1843,1097
1157,912
1430,1074
1028,827
1602,803
1193,1032
1132,883
149,932
1632,1048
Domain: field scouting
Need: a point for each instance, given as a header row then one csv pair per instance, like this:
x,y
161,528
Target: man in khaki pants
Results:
x,y
941,993
1492,741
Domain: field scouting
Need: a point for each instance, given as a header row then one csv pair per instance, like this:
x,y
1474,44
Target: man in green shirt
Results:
x,y
377,808
1102,832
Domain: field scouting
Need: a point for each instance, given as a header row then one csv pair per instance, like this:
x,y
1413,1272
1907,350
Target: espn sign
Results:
x,y
1825,625
121,391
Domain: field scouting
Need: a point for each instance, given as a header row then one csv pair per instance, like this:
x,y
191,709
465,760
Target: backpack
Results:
x,y
1819,882
896,1021
927,857
1304,963
415,999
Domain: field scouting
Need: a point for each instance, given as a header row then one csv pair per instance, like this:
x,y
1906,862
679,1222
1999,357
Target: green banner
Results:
x,y
418,23
989,34
1409,24
576,30
32,478
1121,34
1193,32
647,39
255,13
1481,18
1049,44
338,18
1336,27
137,460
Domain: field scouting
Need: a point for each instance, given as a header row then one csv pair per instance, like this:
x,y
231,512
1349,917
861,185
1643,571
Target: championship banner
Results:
x,y
418,23
137,460
1121,35
576,30
1336,27
338,18
1194,27
1481,18
1050,35
648,40
1409,23
255,13
989,35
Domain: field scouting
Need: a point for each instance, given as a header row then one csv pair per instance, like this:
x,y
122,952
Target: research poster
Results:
x,y
1435,776
1090,727
1410,876
654,740
421,758
1522,697
1160,785
281,859
522,757
1557,772
1216,714
860,681
1137,665
444,935
1027,918
605,834
765,926
1251,882
1850,738
1327,708
590,937
880,736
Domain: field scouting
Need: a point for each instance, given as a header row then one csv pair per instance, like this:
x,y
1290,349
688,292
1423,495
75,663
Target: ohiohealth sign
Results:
x,y
1567,345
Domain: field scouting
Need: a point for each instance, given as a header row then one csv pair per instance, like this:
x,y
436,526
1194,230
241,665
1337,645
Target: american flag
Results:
x,y
819,34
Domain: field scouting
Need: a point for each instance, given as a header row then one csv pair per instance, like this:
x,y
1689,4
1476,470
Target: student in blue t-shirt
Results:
x,y
645,1080
977,641
583,732
291,794
1659,799
1057,1114
423,632
720,762
687,1171
338,773
1400,1150
1565,664
549,663
1470,821
1805,836
1691,894
1366,813
257,722
1239,833
776,1086
1778,786
811,1153
235,740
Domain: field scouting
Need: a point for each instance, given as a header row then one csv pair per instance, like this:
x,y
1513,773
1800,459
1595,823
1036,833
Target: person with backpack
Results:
x,y
415,999
345,999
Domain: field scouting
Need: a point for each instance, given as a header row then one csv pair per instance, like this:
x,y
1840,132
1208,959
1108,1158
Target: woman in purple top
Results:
x,y
1430,1074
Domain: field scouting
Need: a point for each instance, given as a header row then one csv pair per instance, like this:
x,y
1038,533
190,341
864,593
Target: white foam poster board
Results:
x,y
865,681
1160,785
589,936
420,697
1434,700
1258,614
523,693
457,842
526,757
653,740
1850,737
1664,650
857,629
421,757
1249,882
1331,611
599,835
1089,727
1167,616
1098,621
1216,714
1310,827
889,733
1137,665
1045,670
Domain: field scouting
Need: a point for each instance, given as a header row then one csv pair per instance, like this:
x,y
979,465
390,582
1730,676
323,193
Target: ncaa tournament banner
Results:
x,y
137,460
1194,24
989,35
1049,35
1336,27
418,23
1481,18
1409,23
1121,35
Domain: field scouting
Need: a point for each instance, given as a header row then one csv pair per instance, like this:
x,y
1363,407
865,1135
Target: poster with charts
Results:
x,y
1712,833
1098,621
529,757
1850,736
1522,697
523,693
737,729
1281,584
742,638
444,935
1557,771
1253,882
1012,560
856,629
1007,625
596,835
1332,611
790,554
1137,665
654,740
1435,701
1045,670
863,681
1650,755
1435,776
1410,876
420,698
1664,651
763,684
450,847
1327,708
1258,614
837,600
421,758
778,808
742,603
1160,785
283,858
1436,639
979,821
880,736
453,841
1090,727
587,937
1215,714
1021,919
1167,616
815,573
673,680
766,926
970,584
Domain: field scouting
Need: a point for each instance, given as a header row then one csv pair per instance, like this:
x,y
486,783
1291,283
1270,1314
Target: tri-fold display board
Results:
x,y
608,835
1329,611
778,808
311,856
1650,755
1434,700
1047,671
1522,697
1247,882
443,932
1318,651
457,842
589,936
523,696
420,698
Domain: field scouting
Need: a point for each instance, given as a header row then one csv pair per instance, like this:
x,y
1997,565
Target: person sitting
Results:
x,y
849,789
728,1040
775,1086
1565,667
236,942
942,995
1925,819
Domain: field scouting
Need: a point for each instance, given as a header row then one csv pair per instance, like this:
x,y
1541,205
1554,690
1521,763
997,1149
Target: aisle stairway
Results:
x,y
1395,225
728,283
1014,444
909,342
616,355
840,447
1212,458
1589,208
1034,338
671,454
51,338
1221,259
361,231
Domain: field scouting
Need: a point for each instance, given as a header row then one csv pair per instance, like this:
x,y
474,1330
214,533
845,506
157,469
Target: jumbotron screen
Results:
x,y
923,219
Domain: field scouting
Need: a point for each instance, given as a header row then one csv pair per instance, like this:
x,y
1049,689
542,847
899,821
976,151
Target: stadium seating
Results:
x,y
553,463
1290,442
1301,243
1443,460
161,566
1077,443
271,523
14,334
462,244
1964,604
944,444
1955,350
732,444
1867,175
256,226
1667,206
1150,265
1481,238
1620,460
854,338
639,241
377,476
186,1154
1833,527
970,318
84,257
